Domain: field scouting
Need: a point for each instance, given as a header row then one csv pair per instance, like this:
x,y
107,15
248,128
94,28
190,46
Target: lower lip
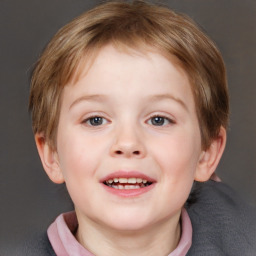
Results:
x,y
129,192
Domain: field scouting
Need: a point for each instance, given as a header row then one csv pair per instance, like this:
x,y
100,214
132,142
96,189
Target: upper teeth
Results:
x,y
126,180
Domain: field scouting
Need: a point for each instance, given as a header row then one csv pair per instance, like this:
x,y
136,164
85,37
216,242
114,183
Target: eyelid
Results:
x,y
89,116
170,119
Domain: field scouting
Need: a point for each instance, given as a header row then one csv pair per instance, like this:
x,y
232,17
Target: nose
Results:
x,y
128,143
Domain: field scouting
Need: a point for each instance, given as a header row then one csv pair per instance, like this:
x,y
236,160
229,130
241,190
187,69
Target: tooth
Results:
x,y
131,187
122,180
113,186
110,181
144,181
115,180
132,180
138,180
120,187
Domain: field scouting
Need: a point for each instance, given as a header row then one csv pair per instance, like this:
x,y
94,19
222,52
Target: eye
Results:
x,y
159,121
95,121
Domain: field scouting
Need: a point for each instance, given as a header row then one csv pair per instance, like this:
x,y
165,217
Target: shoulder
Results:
x,y
38,245
223,224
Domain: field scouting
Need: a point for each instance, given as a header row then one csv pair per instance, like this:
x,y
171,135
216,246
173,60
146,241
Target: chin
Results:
x,y
128,222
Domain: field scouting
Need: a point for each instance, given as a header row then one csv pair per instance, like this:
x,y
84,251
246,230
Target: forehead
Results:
x,y
116,50
103,59
115,72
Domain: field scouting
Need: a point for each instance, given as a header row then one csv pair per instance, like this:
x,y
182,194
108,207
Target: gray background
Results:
x,y
29,201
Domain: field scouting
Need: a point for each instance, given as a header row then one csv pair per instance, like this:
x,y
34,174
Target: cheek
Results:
x,y
75,154
178,157
76,147
178,163
78,168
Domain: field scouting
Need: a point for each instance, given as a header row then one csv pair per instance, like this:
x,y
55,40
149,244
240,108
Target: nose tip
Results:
x,y
128,144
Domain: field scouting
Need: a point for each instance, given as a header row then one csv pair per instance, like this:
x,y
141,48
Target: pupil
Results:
x,y
158,120
96,121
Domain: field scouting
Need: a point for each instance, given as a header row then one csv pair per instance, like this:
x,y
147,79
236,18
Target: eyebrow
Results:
x,y
169,97
101,98
93,97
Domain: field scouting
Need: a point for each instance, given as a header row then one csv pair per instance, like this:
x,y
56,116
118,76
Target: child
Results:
x,y
130,106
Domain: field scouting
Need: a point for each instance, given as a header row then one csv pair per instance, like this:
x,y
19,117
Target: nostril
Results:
x,y
120,152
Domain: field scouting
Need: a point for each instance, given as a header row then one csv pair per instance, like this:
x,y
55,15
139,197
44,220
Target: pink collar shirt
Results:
x,y
61,236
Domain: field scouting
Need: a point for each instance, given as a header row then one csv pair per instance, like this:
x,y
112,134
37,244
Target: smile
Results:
x,y
127,183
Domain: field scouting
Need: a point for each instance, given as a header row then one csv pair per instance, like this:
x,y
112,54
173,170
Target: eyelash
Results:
x,y
102,121
169,120
89,119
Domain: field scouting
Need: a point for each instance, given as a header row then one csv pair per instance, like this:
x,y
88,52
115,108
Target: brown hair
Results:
x,y
136,25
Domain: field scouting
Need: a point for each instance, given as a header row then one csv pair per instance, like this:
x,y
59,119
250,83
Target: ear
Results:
x,y
49,159
209,159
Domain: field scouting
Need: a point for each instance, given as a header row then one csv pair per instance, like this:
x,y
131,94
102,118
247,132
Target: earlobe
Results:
x,y
210,158
49,159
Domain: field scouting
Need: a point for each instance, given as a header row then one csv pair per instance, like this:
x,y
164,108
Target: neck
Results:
x,y
158,239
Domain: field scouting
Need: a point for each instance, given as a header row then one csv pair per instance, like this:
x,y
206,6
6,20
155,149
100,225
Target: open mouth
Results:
x,y
127,183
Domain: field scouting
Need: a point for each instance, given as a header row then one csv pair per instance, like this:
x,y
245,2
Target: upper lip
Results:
x,y
127,174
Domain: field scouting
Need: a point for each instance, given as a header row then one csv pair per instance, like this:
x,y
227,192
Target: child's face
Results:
x,y
131,116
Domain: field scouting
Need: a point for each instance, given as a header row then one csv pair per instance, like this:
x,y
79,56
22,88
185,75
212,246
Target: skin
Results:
x,y
145,122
